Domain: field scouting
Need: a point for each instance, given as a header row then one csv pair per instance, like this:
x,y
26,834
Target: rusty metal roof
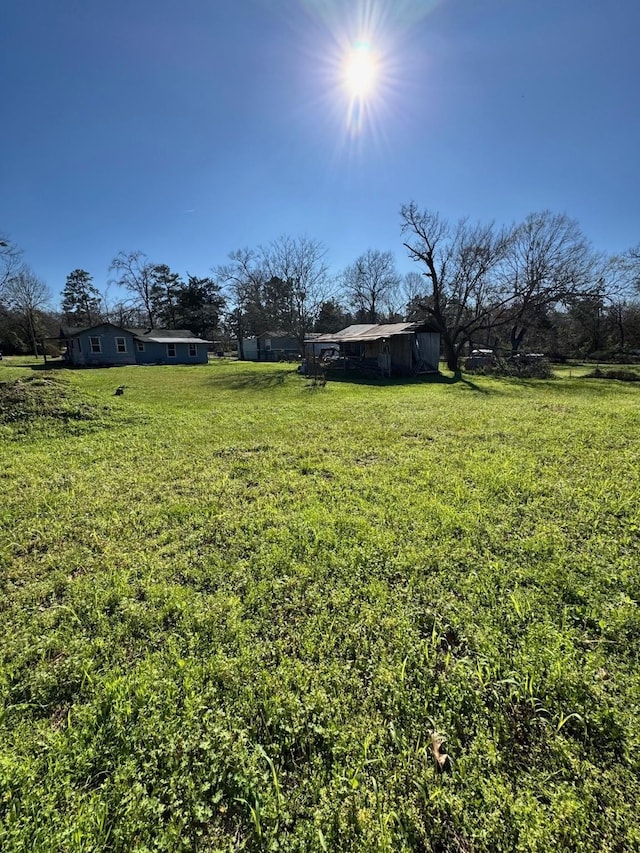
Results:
x,y
368,332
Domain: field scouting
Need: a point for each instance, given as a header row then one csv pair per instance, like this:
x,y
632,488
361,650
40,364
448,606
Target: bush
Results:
x,y
523,366
621,375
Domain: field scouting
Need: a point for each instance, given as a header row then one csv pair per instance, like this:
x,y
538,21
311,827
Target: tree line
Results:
x,y
535,285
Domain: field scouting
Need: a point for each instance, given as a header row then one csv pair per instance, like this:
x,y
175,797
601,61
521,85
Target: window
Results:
x,y
121,345
193,350
79,344
95,344
171,350
140,346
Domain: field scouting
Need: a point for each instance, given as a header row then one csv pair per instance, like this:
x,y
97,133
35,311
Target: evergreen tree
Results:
x,y
332,317
199,305
80,299
164,289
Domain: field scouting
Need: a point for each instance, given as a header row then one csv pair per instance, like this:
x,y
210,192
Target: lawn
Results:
x,y
240,612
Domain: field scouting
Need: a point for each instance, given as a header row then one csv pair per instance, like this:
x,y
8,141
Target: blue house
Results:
x,y
110,345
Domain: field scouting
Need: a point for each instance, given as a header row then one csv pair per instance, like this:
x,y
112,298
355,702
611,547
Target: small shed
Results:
x,y
270,346
390,349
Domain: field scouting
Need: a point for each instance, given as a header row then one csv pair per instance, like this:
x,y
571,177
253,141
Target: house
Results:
x,y
270,346
398,349
108,344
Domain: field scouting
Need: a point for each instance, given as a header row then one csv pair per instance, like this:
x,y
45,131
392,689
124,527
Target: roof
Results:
x,y
167,336
279,333
158,336
148,333
190,340
74,331
369,332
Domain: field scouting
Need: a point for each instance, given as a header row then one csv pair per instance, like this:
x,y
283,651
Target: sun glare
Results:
x,y
361,71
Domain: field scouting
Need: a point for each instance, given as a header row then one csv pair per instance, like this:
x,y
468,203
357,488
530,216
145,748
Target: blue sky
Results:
x,y
188,129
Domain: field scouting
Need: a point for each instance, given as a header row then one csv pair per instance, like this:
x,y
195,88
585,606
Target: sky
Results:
x,y
187,129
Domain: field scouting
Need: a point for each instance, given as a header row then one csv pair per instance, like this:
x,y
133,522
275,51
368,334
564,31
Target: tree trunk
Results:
x,y
450,353
620,324
32,333
516,338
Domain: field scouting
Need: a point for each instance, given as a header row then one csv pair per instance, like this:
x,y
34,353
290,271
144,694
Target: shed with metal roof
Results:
x,y
400,349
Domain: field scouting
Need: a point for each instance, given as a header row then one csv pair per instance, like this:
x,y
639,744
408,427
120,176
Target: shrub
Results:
x,y
524,366
616,373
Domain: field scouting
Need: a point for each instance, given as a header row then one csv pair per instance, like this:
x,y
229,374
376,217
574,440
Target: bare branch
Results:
x,y
371,284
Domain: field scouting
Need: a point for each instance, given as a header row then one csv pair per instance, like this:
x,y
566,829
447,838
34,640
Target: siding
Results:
x,y
401,355
256,350
250,348
155,353
429,346
109,354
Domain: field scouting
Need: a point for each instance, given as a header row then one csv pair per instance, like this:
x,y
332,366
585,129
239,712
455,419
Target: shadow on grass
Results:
x,y
52,364
249,380
32,365
27,364
355,378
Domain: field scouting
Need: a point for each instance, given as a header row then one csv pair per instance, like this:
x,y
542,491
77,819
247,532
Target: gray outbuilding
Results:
x,y
390,349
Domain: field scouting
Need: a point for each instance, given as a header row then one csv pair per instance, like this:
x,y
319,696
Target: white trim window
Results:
x,y
171,350
193,350
140,346
95,343
121,345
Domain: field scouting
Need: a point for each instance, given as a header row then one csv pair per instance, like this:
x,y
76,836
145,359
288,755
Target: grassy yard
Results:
x,y
239,612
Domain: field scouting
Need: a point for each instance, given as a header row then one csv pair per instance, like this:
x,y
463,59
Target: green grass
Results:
x,y
236,609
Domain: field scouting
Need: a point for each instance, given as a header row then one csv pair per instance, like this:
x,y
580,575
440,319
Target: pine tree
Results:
x,y
80,299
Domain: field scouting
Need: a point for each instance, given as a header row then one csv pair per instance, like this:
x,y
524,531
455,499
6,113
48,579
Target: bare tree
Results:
x,y
10,260
371,284
620,286
28,296
460,263
243,278
412,288
627,269
299,263
281,286
135,275
549,262
633,256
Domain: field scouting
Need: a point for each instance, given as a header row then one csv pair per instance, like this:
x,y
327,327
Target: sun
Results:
x,y
361,71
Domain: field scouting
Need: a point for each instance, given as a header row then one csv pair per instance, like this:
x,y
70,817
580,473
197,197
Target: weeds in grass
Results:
x,y
237,615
